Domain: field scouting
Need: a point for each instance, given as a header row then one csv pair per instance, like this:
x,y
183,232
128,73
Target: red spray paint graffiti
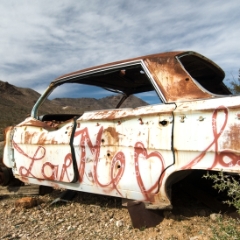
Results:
x,y
39,154
26,172
219,156
117,164
140,149
95,149
51,171
119,159
54,172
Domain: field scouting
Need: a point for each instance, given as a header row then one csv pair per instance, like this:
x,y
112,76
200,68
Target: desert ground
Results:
x,y
90,216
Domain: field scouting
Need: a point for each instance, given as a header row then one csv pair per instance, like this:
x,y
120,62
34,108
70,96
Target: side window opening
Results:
x,y
205,73
127,87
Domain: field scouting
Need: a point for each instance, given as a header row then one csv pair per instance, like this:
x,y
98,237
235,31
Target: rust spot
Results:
x,y
232,137
36,123
119,122
140,121
172,80
42,140
28,137
113,133
105,113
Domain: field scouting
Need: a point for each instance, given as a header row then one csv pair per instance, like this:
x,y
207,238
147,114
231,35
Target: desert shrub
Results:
x,y
226,229
230,184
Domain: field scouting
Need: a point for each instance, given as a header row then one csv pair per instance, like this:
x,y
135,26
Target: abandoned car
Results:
x,y
132,152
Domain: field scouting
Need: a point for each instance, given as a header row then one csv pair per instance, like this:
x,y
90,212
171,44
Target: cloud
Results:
x,y
42,40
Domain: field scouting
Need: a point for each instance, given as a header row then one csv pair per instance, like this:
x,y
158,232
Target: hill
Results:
x,y
16,104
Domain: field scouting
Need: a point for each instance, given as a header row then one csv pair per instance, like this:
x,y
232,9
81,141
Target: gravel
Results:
x,y
91,216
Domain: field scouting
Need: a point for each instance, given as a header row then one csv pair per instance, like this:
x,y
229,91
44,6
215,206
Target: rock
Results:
x,y
26,202
215,216
119,223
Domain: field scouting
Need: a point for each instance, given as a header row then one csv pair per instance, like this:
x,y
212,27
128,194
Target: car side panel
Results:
x,y
206,135
122,151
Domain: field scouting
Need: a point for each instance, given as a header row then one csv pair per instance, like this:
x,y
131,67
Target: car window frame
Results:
x,y
54,84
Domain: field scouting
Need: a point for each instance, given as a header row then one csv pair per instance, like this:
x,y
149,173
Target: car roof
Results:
x,y
158,55
176,76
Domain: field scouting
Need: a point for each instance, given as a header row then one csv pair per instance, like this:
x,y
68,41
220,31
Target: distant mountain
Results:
x,y
85,103
131,101
6,88
16,104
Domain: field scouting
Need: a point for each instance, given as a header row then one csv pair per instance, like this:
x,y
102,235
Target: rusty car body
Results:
x,y
133,153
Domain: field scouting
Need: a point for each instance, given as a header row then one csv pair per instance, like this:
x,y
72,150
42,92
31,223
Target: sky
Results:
x,y
41,39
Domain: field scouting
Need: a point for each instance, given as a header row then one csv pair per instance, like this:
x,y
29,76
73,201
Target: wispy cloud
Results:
x,y
41,40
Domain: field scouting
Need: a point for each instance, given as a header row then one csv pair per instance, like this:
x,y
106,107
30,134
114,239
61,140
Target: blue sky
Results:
x,y
41,40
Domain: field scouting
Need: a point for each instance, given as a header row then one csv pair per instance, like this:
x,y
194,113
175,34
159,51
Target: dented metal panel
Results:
x,y
43,154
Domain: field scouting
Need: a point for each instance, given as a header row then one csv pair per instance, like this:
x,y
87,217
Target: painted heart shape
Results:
x,y
149,168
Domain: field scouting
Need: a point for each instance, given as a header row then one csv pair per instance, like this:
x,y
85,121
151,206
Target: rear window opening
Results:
x,y
205,73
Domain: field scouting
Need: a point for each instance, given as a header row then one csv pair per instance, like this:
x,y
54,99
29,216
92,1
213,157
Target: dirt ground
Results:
x,y
90,216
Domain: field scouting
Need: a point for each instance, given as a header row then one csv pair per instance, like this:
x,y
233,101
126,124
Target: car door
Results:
x,y
124,152
43,152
